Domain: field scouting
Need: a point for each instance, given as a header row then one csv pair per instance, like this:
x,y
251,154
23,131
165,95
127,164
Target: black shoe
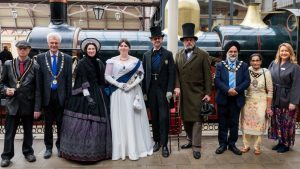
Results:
x,y
283,149
188,145
235,150
156,147
197,154
30,158
5,163
165,151
277,146
47,154
59,153
221,149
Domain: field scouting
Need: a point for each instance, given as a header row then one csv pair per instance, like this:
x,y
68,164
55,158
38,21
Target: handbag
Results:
x,y
207,109
137,103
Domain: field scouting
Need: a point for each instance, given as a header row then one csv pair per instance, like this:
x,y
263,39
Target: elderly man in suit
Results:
x,y
232,79
193,84
56,80
158,86
20,84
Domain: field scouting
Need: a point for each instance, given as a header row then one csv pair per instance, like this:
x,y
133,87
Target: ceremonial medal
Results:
x,y
254,83
54,81
18,85
166,62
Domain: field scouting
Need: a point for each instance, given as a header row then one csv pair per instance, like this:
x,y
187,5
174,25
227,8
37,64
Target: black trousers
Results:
x,y
228,121
53,113
159,108
11,125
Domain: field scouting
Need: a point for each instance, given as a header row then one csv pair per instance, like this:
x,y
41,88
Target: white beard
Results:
x,y
231,59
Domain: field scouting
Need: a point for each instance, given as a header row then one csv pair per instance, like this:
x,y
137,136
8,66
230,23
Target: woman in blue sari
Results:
x,y
129,122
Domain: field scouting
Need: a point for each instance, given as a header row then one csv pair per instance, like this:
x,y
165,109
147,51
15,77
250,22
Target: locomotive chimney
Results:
x,y
253,18
58,10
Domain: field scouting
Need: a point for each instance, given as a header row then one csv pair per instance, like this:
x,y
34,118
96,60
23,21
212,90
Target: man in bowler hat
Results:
x,y
232,79
20,84
193,84
158,85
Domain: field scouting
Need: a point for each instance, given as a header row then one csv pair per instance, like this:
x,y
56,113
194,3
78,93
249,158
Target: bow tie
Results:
x,y
188,50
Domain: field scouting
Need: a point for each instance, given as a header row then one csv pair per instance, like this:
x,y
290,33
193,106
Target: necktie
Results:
x,y
231,76
54,71
21,68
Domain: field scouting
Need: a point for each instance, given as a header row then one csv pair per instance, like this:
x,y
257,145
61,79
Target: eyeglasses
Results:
x,y
22,48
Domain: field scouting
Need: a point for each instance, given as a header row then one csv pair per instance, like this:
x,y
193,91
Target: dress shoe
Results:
x,y
30,158
221,149
277,146
47,154
197,154
235,150
156,147
165,151
188,145
283,149
5,163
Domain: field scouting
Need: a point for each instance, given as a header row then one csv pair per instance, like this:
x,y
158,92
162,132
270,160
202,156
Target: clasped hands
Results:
x,y
232,92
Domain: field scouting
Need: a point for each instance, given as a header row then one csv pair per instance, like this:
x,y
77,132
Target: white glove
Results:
x,y
114,82
169,96
134,83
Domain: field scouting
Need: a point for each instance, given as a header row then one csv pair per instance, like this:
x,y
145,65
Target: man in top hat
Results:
x,y
56,80
193,84
232,78
20,84
158,85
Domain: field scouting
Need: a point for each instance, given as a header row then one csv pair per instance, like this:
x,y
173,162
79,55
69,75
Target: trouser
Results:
x,y
194,133
228,121
11,125
53,113
159,108
247,139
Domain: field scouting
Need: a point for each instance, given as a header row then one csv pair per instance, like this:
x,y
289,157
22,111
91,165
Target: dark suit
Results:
x,y
229,106
21,105
156,87
54,100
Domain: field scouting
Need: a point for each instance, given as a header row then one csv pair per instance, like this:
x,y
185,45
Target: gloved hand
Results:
x,y
169,96
121,85
91,102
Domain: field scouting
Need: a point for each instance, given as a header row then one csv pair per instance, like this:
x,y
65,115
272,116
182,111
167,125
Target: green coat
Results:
x,y
194,79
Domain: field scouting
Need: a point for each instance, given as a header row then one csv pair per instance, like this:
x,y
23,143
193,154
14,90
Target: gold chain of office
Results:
x,y
60,70
232,69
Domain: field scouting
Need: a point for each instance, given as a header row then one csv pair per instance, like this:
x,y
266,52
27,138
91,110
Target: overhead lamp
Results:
x,y
14,13
117,16
98,11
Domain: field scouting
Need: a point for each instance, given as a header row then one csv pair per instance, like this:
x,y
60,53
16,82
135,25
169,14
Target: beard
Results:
x,y
232,58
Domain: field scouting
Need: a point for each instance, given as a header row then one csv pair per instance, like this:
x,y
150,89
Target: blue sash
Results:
x,y
123,79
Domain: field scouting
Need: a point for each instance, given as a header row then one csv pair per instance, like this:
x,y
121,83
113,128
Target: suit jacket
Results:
x,y
166,77
64,79
26,98
222,83
195,81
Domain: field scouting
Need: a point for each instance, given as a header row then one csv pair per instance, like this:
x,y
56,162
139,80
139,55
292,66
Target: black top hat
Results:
x,y
188,30
156,31
23,44
230,44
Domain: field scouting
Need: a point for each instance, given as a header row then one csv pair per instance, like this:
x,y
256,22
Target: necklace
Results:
x,y
124,59
255,76
19,80
232,69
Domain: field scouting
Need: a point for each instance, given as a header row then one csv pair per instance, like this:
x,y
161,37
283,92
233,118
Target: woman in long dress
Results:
x,y
258,105
286,83
130,126
86,132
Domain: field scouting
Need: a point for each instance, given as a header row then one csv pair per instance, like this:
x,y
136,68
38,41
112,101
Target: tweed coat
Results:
x,y
193,77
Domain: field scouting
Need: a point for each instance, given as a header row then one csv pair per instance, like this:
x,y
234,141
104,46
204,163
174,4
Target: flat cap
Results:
x,y
23,44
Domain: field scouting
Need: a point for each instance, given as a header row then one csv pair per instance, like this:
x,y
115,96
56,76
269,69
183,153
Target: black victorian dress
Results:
x,y
86,133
